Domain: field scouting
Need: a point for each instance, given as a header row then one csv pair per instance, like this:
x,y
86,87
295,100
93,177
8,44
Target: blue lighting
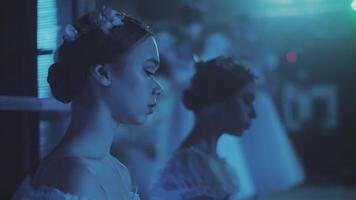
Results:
x,y
353,5
47,29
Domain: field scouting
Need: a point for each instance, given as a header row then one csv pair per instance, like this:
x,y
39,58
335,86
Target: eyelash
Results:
x,y
150,74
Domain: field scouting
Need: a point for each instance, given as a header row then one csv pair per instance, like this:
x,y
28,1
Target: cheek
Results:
x,y
129,110
237,114
140,84
229,116
132,93
136,87
236,110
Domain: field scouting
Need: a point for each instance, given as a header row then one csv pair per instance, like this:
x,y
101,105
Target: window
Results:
x,y
47,29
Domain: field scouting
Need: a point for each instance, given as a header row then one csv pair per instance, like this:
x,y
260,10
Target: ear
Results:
x,y
101,73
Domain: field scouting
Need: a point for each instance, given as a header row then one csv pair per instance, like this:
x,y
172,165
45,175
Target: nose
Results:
x,y
158,89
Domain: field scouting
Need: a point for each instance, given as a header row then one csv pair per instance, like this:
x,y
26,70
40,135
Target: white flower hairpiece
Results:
x,y
70,33
106,19
197,58
110,18
226,62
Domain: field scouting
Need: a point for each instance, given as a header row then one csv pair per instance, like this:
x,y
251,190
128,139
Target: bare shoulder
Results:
x,y
70,175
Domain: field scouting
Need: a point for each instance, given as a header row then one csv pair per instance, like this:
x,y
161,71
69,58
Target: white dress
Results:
x,y
27,192
194,174
272,161
263,158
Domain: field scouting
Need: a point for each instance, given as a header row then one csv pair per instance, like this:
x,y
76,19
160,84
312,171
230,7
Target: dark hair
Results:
x,y
191,11
92,46
215,80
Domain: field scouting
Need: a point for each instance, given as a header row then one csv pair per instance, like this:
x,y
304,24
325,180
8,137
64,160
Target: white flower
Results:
x,y
117,20
106,27
109,13
70,33
226,62
106,19
110,18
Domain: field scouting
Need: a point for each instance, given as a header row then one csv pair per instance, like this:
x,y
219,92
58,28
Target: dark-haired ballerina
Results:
x,y
105,68
221,96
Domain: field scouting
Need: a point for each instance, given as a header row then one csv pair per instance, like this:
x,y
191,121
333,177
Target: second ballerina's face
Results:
x,y
240,110
235,114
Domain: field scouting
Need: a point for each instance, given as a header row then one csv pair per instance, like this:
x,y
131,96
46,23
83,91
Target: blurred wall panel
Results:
x,y
18,130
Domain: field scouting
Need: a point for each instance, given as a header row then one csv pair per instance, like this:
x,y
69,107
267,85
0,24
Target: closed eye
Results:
x,y
150,66
149,73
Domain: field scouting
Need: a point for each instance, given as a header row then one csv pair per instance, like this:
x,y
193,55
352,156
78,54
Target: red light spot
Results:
x,y
291,57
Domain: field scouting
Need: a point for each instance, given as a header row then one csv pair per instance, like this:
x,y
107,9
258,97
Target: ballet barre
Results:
x,y
32,104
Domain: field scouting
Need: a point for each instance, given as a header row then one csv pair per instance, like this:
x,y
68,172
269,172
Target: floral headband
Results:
x,y
226,62
105,19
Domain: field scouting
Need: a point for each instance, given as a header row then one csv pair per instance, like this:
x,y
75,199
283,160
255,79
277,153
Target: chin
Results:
x,y
134,120
235,132
139,120
238,134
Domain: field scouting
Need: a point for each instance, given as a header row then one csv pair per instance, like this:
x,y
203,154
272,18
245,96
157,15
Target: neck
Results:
x,y
204,136
90,132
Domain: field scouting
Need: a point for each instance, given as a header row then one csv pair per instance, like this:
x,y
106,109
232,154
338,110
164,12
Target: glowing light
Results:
x,y
291,57
283,1
353,5
47,29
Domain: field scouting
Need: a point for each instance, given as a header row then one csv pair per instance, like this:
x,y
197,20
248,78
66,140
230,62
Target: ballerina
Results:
x,y
105,68
221,96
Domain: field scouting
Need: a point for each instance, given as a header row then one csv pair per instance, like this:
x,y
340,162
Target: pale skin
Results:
x,y
232,116
82,164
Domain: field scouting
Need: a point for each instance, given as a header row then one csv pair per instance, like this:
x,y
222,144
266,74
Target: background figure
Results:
x,y
179,45
263,62
266,149
274,165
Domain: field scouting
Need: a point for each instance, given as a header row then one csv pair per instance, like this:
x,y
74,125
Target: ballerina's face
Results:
x,y
239,111
134,89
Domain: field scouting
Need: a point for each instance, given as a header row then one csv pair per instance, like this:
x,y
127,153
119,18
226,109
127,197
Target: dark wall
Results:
x,y
18,130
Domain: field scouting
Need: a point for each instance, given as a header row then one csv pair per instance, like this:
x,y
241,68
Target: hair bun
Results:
x,y
189,100
59,82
